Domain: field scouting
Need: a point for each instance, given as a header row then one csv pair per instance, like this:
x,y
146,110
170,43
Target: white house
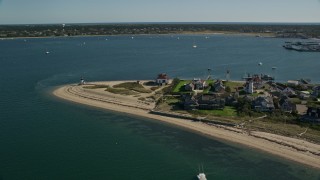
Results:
x,y
162,79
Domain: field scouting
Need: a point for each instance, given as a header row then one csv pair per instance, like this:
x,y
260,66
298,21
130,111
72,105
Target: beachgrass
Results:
x,y
96,86
121,91
228,111
233,85
134,86
180,86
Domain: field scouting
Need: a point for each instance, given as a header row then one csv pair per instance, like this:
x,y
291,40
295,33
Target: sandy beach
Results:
x,y
290,148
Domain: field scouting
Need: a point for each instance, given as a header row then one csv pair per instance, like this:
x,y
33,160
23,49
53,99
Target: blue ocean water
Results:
x,y
42,137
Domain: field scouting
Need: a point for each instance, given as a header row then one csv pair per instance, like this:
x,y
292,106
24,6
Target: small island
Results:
x,y
279,118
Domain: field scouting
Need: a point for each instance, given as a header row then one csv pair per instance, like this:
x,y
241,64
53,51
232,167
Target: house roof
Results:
x,y
163,76
317,88
198,80
289,90
269,101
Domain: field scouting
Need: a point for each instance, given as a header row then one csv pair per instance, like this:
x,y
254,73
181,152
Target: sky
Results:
x,y
117,11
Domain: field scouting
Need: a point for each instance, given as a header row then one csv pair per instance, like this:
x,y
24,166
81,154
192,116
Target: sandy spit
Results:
x,y
290,148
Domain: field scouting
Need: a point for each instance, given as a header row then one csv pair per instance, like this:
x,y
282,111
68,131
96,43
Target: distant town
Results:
x,y
303,31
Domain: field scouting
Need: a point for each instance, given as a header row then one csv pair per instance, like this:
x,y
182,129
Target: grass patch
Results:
x,y
255,94
233,85
133,86
295,100
172,100
228,111
121,91
150,83
98,86
180,86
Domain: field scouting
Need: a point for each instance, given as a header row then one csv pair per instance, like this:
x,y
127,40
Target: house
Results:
x,y
231,100
304,95
162,79
286,105
248,98
253,82
313,112
257,82
190,103
312,115
293,83
205,102
316,91
218,86
273,87
196,84
189,87
263,104
288,91
199,84
210,102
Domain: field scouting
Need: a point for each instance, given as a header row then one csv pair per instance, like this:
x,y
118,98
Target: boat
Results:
x,y
47,52
194,46
263,77
303,46
201,176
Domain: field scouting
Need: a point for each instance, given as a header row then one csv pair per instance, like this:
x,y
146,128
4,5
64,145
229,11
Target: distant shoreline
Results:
x,y
269,35
290,148
281,30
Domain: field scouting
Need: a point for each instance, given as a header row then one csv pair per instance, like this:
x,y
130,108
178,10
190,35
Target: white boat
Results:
x,y
201,176
194,46
47,52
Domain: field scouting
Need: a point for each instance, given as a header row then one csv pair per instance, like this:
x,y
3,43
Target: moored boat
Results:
x,y
201,176
303,46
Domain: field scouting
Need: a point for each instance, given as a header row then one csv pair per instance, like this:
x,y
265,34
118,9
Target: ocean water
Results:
x,y
42,137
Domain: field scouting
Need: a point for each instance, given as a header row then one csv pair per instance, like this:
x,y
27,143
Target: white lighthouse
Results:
x,y
82,82
249,87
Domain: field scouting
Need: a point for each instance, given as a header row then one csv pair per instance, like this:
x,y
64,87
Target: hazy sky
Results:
x,y
93,11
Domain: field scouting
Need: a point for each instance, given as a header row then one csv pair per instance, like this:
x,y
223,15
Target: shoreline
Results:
x,y
265,35
289,148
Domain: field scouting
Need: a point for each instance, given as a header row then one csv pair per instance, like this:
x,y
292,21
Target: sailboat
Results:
x,y
194,44
201,176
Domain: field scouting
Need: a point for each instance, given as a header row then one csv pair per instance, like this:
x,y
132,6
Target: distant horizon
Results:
x,y
169,22
125,11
